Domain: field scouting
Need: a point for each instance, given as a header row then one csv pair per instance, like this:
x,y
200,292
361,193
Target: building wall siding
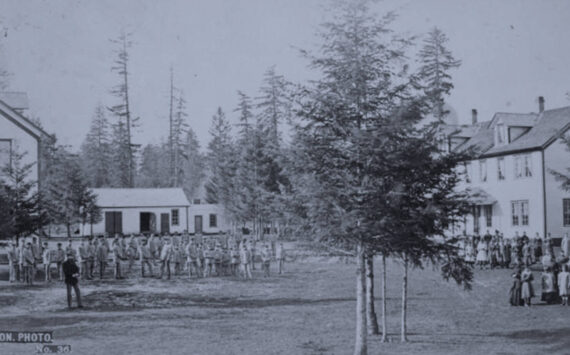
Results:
x,y
505,191
556,158
22,142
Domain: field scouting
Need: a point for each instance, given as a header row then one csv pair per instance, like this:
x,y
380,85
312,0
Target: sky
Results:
x,y
59,53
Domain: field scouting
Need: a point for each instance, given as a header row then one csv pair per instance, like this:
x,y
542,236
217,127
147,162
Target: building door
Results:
x,y
113,222
197,224
165,223
148,222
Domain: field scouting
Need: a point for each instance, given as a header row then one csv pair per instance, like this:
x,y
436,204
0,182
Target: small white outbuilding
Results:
x,y
154,210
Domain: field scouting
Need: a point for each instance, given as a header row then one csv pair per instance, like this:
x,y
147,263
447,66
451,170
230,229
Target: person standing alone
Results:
x,y
71,272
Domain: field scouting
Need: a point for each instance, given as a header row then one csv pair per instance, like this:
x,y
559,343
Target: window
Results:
x,y
488,211
196,201
5,153
523,166
527,165
519,211
468,172
175,217
483,170
501,168
213,220
566,211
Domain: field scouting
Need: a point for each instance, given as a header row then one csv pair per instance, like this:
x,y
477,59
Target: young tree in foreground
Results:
x,y
357,145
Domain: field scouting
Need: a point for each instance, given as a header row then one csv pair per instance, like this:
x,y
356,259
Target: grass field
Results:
x,y
308,310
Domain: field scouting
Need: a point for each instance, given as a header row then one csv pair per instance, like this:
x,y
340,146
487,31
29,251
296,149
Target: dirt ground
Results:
x,y
308,310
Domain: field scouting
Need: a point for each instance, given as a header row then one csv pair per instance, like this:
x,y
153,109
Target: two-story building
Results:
x,y
18,134
511,181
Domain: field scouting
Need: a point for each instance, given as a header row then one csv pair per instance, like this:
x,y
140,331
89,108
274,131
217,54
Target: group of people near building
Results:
x,y
496,251
158,256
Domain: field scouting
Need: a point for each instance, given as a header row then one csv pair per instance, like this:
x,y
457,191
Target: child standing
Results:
x,y
564,284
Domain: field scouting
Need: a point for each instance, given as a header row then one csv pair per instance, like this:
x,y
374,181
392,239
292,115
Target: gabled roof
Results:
x,y
481,141
515,119
549,125
141,197
19,120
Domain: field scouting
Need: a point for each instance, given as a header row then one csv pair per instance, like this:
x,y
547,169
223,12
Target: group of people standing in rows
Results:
x,y
496,251
210,257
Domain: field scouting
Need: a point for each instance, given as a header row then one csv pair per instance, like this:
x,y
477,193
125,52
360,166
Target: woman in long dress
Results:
x,y
549,294
469,252
515,291
527,291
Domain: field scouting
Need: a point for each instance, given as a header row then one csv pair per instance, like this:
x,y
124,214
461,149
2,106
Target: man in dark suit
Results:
x,y
71,272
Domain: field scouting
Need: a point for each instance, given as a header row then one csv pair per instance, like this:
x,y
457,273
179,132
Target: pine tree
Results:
x,y
21,209
194,165
220,160
124,155
154,166
435,63
95,151
179,144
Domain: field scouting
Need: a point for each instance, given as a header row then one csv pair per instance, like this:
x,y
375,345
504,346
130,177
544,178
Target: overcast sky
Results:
x,y
59,53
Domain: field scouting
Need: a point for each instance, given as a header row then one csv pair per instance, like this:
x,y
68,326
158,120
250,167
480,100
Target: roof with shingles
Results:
x,y
549,125
544,129
140,197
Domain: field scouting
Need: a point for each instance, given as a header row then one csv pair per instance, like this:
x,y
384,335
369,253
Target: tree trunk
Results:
x,y
360,346
404,300
370,310
384,336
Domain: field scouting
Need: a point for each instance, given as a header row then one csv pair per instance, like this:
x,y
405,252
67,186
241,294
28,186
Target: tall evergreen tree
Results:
x,y
194,165
124,156
220,161
96,152
154,166
178,142
19,196
435,63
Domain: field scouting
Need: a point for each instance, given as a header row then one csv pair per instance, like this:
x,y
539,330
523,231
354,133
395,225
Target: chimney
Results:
x,y
540,104
474,116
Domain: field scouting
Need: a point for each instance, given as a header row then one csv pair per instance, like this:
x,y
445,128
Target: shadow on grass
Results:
x,y
559,339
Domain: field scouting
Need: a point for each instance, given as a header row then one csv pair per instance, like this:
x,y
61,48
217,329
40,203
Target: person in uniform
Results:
x,y
208,260
266,260
21,260
101,254
549,294
245,259
146,257
226,261
38,252
117,257
280,256
83,259
177,258
71,272
234,260
46,260
69,249
91,252
132,251
59,259
12,261
165,257
193,259
218,260
252,251
202,258
29,262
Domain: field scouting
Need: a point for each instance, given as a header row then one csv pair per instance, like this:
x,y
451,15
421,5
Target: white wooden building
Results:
x,y
154,210
511,182
18,134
